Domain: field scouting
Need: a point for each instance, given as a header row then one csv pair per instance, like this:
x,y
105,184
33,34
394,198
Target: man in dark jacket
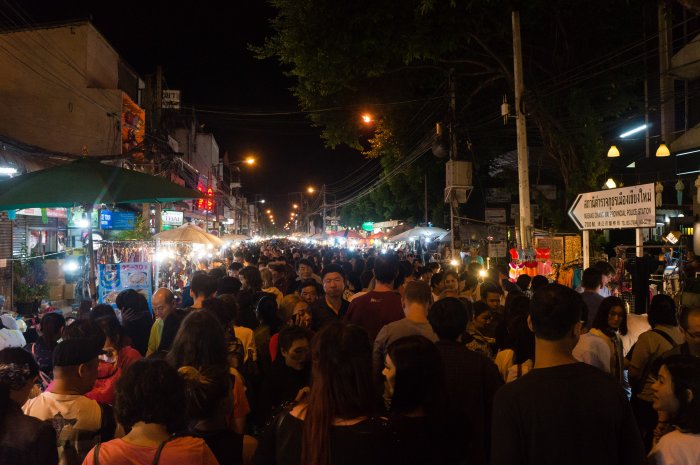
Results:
x,y
471,378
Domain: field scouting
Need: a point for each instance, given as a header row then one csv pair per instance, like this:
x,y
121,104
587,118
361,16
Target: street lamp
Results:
x,y
310,190
367,118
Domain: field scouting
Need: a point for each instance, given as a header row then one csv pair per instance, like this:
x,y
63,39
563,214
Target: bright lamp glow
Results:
x,y
633,131
663,151
8,170
482,273
367,118
71,266
613,152
250,161
454,262
610,183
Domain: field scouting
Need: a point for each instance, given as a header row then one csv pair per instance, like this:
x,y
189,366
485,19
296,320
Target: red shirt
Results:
x,y
374,310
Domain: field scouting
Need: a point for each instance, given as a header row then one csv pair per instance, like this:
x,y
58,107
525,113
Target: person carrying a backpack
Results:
x,y
80,423
651,345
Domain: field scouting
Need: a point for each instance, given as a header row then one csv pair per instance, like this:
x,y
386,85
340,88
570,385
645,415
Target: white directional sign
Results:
x,y
625,207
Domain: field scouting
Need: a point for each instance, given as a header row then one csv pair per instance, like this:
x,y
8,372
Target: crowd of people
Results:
x,y
286,354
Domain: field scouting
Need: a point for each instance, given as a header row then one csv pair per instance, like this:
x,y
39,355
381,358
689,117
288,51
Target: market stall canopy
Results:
x,y
189,233
87,181
235,237
396,230
379,235
419,232
347,234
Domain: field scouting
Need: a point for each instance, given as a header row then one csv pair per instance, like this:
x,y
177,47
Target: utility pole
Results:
x,y
158,126
453,156
521,129
665,79
425,199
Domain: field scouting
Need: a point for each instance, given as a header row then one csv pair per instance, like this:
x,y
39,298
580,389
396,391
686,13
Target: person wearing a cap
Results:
x,y
24,440
80,422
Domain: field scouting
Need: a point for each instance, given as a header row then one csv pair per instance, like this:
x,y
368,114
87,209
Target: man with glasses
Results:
x,y
690,324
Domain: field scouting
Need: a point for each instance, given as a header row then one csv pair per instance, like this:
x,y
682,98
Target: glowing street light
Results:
x,y
268,212
367,118
295,206
250,160
310,190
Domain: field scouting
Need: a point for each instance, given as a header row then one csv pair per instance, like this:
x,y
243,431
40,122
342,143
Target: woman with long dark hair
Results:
x,y
610,322
337,423
417,398
51,328
201,343
677,394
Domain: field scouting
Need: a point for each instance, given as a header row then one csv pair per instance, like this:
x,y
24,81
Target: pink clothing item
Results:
x,y
189,450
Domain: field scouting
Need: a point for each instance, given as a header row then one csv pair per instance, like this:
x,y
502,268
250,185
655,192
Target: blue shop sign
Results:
x,y
117,220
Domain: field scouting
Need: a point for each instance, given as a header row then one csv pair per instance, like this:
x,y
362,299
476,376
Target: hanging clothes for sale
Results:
x,y
544,264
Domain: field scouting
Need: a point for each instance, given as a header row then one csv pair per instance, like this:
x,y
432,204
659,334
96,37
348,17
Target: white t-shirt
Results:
x,y
676,448
593,350
75,417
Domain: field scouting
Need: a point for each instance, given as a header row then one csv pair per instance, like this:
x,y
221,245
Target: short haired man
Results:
x,y
491,294
79,422
546,416
607,272
471,378
309,291
382,305
163,303
690,324
305,271
416,300
203,287
591,280
332,306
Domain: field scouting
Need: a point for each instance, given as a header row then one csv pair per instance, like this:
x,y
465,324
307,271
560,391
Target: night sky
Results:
x,y
203,48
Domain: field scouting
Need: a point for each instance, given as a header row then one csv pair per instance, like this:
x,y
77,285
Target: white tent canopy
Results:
x,y
418,233
189,233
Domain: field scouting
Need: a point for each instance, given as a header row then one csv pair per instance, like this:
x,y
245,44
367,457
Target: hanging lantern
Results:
x,y
679,191
659,188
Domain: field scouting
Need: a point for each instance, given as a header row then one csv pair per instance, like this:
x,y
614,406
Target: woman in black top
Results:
x,y
336,424
416,396
209,404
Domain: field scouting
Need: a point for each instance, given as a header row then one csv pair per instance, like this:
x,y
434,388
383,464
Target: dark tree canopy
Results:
x,y
583,72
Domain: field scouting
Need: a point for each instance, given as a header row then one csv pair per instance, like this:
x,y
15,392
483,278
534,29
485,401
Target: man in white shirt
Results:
x,y
80,422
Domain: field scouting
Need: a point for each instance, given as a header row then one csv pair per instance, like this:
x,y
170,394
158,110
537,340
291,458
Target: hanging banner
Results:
x,y
115,278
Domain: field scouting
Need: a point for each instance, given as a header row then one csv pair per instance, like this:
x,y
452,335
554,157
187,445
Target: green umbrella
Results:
x,y
88,182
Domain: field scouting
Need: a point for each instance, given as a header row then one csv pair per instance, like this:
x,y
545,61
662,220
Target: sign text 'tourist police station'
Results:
x,y
624,207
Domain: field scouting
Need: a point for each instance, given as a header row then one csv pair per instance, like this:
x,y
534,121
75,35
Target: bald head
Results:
x,y
163,302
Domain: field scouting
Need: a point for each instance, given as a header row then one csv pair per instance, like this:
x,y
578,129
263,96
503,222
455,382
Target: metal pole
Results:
x,y
453,156
425,199
324,210
586,249
521,127
91,259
